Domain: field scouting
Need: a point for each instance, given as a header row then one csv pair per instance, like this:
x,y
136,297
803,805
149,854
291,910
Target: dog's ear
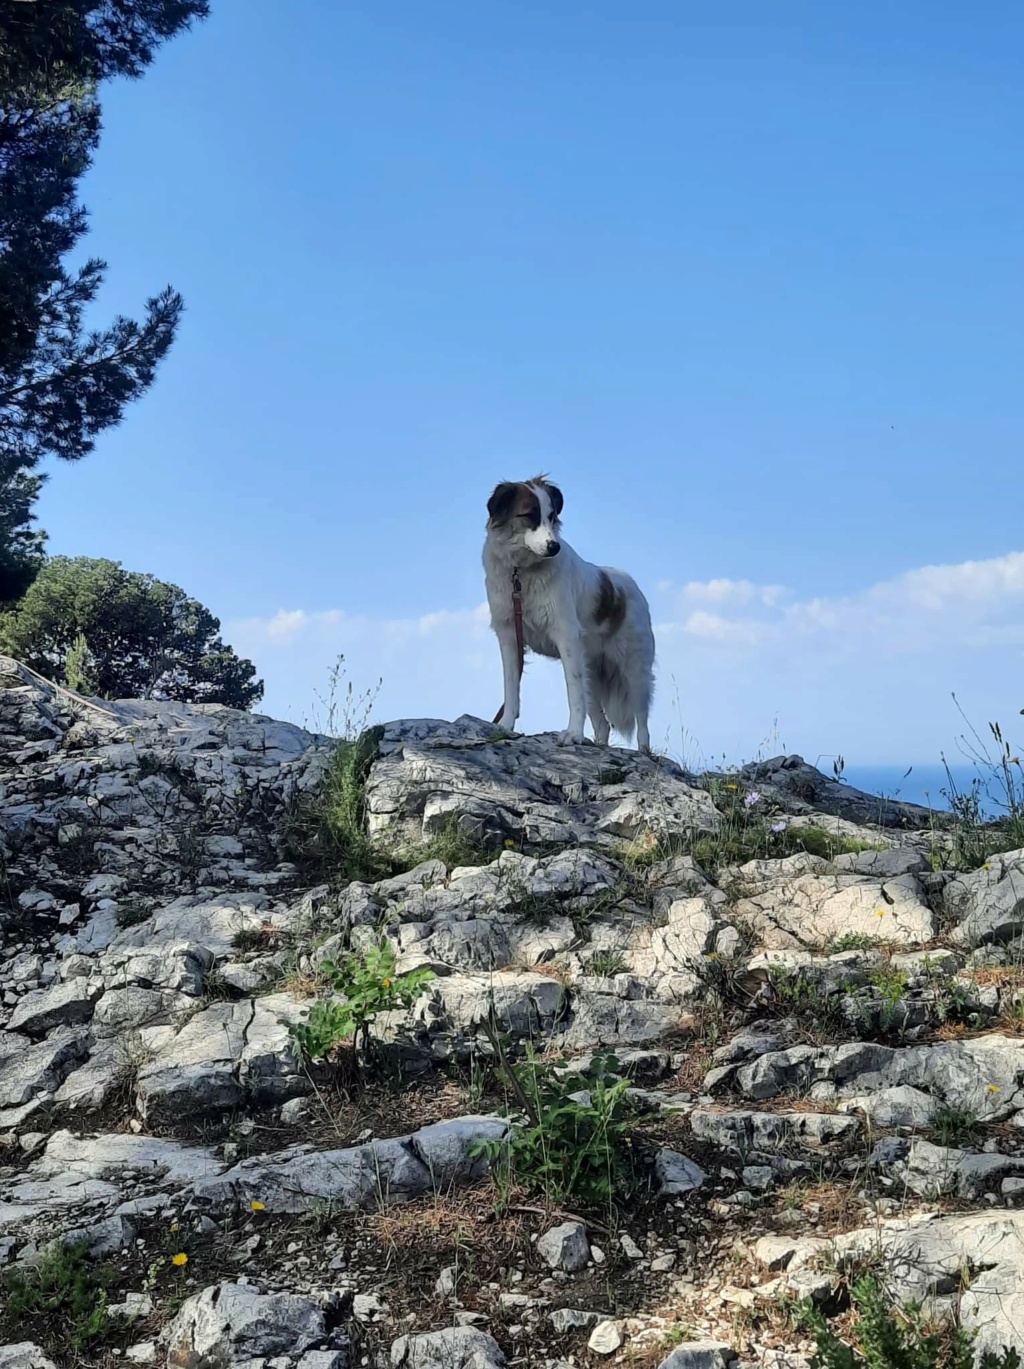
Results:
x,y
557,502
499,506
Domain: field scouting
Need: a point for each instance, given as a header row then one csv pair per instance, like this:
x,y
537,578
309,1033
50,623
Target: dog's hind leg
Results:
x,y
602,727
643,736
641,709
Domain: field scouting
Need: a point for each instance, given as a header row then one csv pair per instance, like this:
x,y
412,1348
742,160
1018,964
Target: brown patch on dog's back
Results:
x,y
513,499
610,609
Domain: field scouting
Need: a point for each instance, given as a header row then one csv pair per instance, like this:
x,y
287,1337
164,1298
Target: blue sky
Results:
x,y
747,280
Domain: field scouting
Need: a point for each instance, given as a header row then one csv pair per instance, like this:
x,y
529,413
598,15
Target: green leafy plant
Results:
x,y
887,1336
852,941
803,997
571,1138
325,831
607,963
368,985
953,1126
63,1292
891,985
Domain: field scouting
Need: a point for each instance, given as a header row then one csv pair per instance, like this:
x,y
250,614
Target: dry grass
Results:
x,y
832,1204
699,1060
453,1225
302,984
997,976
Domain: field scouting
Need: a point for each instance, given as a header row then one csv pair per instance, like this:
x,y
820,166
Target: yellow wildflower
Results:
x,y
509,844
174,1227
993,1088
881,912
179,1260
257,1206
732,786
387,983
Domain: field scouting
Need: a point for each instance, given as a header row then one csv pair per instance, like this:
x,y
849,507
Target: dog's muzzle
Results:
x,y
552,549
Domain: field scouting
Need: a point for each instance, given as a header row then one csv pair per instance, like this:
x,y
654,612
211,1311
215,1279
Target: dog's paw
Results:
x,y
570,738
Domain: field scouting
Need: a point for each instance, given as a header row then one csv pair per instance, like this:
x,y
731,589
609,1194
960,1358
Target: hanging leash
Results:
x,y
517,613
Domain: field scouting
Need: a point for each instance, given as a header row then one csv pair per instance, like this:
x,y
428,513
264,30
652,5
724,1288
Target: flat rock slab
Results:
x,y
799,788
820,906
359,1177
742,1131
925,1256
432,773
988,904
76,1170
983,1075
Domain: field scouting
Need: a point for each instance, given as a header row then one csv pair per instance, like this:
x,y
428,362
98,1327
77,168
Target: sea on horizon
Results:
x,y
929,785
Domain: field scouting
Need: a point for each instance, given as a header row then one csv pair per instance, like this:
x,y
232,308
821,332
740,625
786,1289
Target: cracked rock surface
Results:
x,y
821,1033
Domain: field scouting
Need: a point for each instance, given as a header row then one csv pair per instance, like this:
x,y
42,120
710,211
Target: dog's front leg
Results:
x,y
570,649
510,668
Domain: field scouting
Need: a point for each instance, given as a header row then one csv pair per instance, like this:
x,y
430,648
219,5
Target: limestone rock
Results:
x,y
700,1354
565,1247
358,1177
988,904
230,1323
742,1131
810,910
675,1173
605,1338
24,1355
61,1005
456,1347
799,788
591,796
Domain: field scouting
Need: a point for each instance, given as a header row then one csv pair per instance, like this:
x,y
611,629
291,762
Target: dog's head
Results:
x,y
525,513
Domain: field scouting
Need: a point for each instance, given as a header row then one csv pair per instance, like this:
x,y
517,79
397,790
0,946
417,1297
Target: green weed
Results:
x,y
889,1336
368,986
953,1126
566,1147
60,1297
607,963
324,832
133,910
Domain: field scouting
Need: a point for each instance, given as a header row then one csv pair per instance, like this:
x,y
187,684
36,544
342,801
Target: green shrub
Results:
x,y
562,1146
62,1297
890,1337
368,986
325,831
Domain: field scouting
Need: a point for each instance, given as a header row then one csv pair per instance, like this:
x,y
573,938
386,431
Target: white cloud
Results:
x,y
922,607
724,591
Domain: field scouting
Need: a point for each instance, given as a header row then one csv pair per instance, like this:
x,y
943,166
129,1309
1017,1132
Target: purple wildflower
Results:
x,y
778,826
752,798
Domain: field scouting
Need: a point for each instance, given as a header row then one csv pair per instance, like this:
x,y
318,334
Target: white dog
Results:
x,y
545,597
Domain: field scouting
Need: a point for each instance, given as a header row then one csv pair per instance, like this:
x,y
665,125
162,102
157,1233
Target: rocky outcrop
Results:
x,y
786,1021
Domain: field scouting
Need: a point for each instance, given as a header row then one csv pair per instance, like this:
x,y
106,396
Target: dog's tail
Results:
x,y
622,705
